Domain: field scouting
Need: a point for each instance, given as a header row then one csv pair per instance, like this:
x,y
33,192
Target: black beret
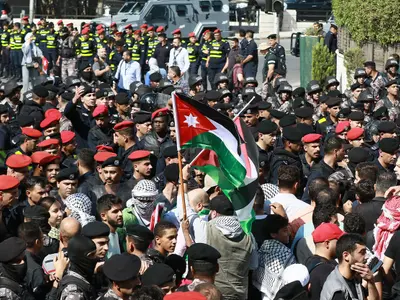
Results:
x,y
380,113
11,249
305,129
356,116
51,88
391,82
267,127
277,114
366,96
158,274
68,174
141,118
25,121
170,151
332,102
344,113
199,97
3,109
212,95
101,94
36,212
204,252
222,205
264,105
156,77
335,93
387,127
84,65
122,267
358,154
251,109
287,120
223,106
298,102
87,89
323,98
122,98
171,172
292,134
389,145
40,91
112,161
355,86
304,112
299,92
68,96
272,36
139,232
95,229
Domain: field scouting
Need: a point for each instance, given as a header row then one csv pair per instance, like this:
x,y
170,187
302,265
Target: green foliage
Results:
x,y
323,62
353,59
310,31
369,20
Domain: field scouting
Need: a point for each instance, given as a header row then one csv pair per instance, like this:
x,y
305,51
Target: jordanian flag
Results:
x,y
200,126
230,159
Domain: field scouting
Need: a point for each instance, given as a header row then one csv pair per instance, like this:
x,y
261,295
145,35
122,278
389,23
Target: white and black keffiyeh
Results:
x,y
228,225
143,196
80,206
270,190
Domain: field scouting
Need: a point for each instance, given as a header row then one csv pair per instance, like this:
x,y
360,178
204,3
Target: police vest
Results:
x,y
100,43
43,35
5,38
86,49
204,47
129,41
18,41
113,60
136,50
152,43
216,49
192,51
51,41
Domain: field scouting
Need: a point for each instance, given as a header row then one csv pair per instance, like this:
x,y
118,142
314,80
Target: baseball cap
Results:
x,y
326,232
208,183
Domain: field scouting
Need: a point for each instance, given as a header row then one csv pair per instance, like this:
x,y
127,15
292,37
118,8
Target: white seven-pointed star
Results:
x,y
191,121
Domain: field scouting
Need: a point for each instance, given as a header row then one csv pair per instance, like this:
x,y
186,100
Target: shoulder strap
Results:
x,y
12,285
83,286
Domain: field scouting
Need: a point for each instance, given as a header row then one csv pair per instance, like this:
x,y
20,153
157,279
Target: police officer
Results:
x,y
101,134
250,115
169,156
51,46
384,129
17,39
67,54
85,49
178,34
68,148
160,275
313,91
205,52
138,49
115,56
5,50
283,101
250,62
123,272
25,24
326,124
101,40
388,148
279,51
152,42
138,239
391,100
392,69
311,155
270,66
27,141
217,57
43,31
193,48
129,39
267,131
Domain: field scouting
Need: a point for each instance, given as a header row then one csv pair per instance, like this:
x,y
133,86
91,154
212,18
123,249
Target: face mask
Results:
x,y
145,209
16,272
87,76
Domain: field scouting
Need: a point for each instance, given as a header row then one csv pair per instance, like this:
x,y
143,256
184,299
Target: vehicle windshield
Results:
x,y
291,1
127,7
138,8
132,7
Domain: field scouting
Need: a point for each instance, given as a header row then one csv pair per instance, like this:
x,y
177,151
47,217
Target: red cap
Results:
x,y
192,34
48,143
123,125
137,32
67,136
102,156
60,22
85,31
113,24
143,26
311,138
100,110
100,31
185,295
129,26
176,31
160,29
39,23
326,232
139,154
54,113
26,18
217,30
160,112
342,126
69,24
206,31
151,28
47,122
3,12
18,161
104,148
43,158
98,27
32,133
355,133
8,182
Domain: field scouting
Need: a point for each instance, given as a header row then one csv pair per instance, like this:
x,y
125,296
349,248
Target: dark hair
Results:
x,y
106,202
326,197
209,291
250,33
176,70
47,202
31,182
385,180
365,190
354,223
288,176
128,52
395,56
333,143
348,243
152,292
316,185
242,32
236,40
323,214
141,244
29,232
177,38
127,132
171,173
367,170
259,199
86,158
272,224
161,227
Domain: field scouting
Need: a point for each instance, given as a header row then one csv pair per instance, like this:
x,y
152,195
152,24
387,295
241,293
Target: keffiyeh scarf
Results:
x,y
81,207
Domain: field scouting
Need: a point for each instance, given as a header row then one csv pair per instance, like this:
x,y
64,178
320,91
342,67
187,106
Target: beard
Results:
x,y
115,224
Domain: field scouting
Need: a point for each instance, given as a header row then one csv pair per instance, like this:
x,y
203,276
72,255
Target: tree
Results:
x,y
323,62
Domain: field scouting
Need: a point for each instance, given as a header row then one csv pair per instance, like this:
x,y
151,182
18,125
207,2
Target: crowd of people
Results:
x,y
90,192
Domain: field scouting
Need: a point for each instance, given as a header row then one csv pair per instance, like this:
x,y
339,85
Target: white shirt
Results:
x,y
113,245
128,73
179,57
290,203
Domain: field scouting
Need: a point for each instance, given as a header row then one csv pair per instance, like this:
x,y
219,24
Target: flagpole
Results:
x,y
178,146
234,119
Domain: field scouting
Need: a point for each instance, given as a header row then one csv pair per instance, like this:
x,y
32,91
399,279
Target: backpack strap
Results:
x,y
12,285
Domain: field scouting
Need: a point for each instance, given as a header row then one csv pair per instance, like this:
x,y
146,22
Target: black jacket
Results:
x,y
34,110
370,211
280,157
82,120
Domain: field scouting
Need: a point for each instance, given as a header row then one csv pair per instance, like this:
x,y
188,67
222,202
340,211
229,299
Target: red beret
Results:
x,y
52,120
59,22
137,32
119,33
217,30
143,26
100,31
151,28
49,142
52,112
354,133
32,133
123,125
98,27
160,29
113,24
8,182
39,23
85,31
26,18
139,154
129,26
104,148
67,136
176,31
311,138
102,156
342,126
192,34
185,295
69,24
100,110
206,31
43,158
18,161
160,112
87,25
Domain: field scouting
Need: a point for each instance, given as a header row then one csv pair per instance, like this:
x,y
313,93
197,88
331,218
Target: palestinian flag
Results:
x,y
200,126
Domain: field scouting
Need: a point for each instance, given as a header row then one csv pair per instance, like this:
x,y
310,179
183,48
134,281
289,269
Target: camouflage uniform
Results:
x,y
8,294
110,294
72,291
393,107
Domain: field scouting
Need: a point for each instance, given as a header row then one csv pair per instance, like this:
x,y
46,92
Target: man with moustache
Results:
x,y
311,155
67,184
